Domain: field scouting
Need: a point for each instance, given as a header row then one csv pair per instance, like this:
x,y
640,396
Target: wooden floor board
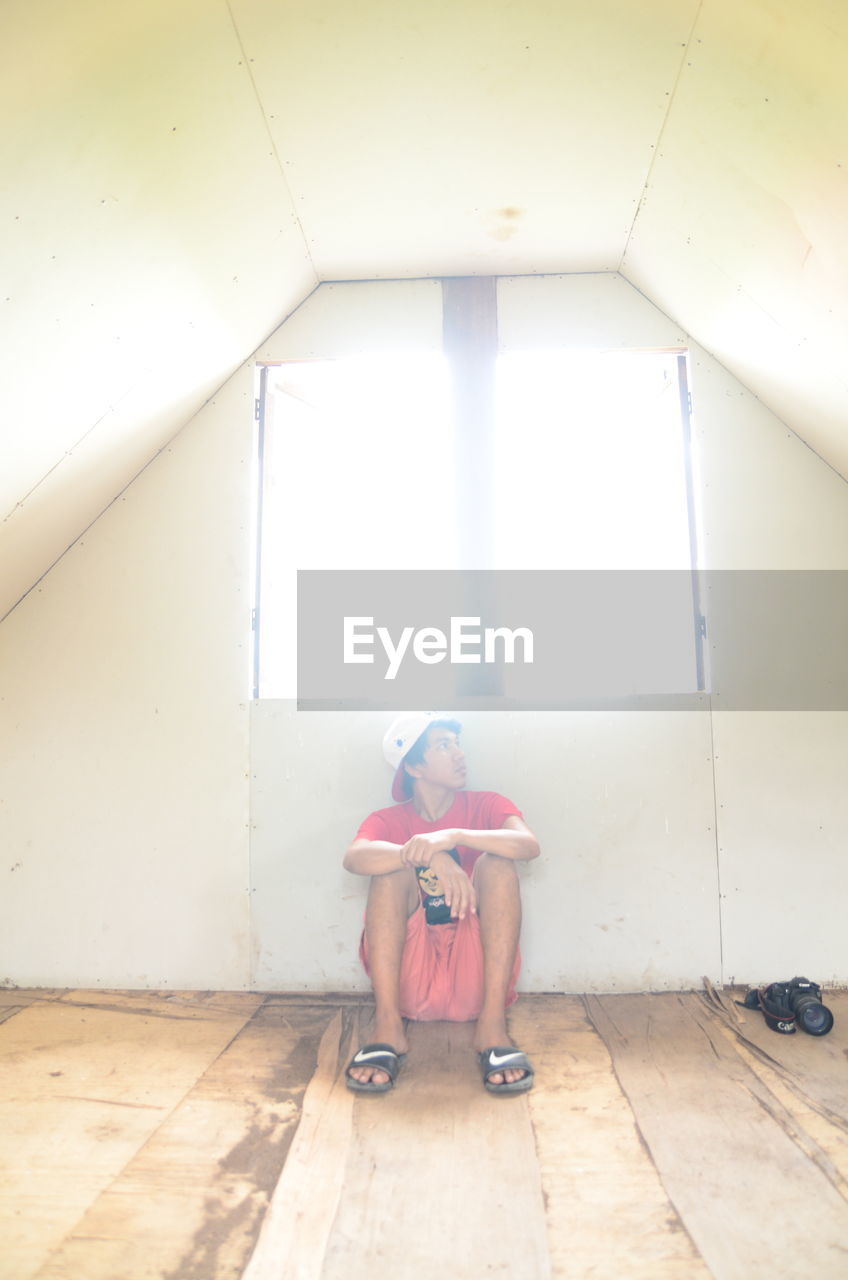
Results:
x,y
437,1168
210,1136
190,1204
730,1155
814,1067
83,1084
293,1241
608,1215
440,1169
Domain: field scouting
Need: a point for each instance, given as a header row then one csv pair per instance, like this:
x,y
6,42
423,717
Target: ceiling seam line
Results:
x,y
82,534
640,202
276,153
787,426
167,444
135,476
69,452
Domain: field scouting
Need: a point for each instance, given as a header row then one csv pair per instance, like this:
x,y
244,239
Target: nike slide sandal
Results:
x,y
381,1056
502,1059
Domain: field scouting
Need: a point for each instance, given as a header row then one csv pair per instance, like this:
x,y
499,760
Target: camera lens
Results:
x,y
813,1017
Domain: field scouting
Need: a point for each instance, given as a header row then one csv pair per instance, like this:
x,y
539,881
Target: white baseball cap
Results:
x,y
401,735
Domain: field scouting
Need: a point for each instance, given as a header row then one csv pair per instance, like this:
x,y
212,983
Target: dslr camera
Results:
x,y
787,1005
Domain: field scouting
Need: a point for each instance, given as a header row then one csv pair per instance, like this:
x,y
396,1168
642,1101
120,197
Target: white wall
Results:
x,y
151,240
124,732
126,825
648,877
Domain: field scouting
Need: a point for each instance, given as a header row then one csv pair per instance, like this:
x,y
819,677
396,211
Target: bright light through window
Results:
x,y
358,474
585,467
590,456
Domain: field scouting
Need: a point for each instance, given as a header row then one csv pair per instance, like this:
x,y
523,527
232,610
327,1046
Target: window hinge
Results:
x,y
256,408
253,619
702,626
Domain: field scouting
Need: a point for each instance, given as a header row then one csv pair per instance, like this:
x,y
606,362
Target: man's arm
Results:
x,y
373,857
366,857
514,840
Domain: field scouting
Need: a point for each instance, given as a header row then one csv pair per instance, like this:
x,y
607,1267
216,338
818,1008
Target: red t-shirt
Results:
x,y
473,810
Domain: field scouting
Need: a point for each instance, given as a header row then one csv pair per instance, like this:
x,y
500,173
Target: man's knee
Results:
x,y
492,870
397,888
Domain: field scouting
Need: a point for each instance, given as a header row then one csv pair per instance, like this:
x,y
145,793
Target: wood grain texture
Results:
x,y
732,1158
440,1173
84,1081
806,1076
293,1239
607,1212
190,1204
190,1136
815,1068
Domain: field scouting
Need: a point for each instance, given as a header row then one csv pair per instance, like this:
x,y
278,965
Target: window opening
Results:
x,y
588,467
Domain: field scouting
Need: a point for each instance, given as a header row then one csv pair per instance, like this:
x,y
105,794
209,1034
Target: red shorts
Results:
x,y
441,973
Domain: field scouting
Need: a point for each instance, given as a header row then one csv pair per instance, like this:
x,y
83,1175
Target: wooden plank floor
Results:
x,y
209,1136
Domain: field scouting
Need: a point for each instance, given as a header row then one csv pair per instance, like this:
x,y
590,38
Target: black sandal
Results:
x,y
505,1058
381,1056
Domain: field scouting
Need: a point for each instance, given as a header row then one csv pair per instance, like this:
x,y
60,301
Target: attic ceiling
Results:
x,y
179,174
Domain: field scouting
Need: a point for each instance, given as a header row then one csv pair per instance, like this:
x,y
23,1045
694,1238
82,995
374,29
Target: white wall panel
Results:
x,y
178,175
149,243
592,310
741,233
124,732
623,897
459,139
70,497
344,320
782,826
767,501
314,776
125,729
626,893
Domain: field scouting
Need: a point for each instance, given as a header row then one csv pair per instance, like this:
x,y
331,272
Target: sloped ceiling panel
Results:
x,y
743,232
177,175
149,244
465,138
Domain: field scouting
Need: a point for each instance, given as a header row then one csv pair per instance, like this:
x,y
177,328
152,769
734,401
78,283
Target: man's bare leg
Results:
x,y
499,909
392,899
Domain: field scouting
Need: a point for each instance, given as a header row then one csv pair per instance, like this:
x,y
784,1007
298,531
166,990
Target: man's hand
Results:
x,y
420,850
458,889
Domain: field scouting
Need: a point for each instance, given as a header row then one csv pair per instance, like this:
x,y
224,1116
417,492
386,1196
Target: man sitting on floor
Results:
x,y
444,909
